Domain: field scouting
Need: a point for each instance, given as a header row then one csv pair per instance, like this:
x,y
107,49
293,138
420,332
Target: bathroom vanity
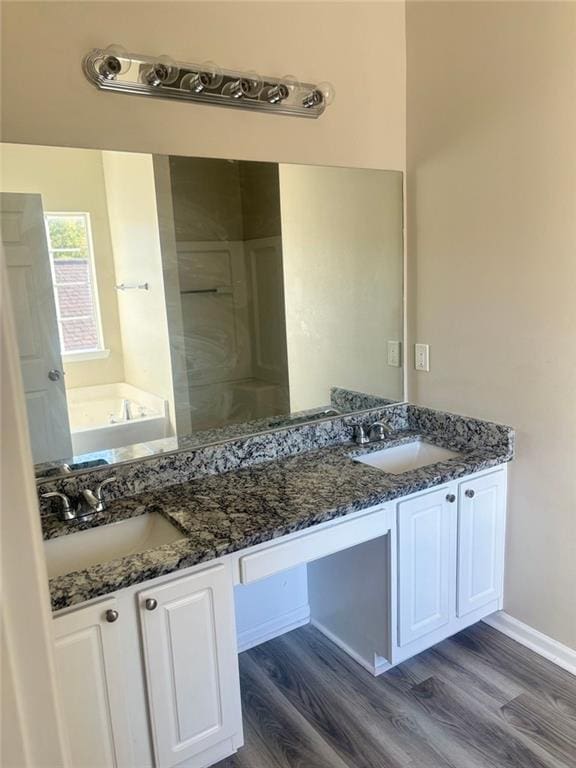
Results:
x,y
401,542
214,381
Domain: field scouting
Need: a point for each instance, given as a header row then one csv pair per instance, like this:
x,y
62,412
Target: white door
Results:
x,y
481,528
30,280
89,668
426,577
191,664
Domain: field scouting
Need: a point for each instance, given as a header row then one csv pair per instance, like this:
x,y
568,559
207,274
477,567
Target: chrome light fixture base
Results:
x,y
142,75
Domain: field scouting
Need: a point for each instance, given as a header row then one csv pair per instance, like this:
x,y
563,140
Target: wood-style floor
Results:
x,y
477,700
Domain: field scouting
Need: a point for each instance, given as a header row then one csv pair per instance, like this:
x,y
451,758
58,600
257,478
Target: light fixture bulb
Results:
x,y
322,95
212,69
248,85
115,61
277,93
252,84
291,81
196,82
115,49
162,72
207,77
282,90
327,91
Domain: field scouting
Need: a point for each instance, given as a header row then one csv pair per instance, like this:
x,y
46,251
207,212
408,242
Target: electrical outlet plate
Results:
x,y
394,350
422,357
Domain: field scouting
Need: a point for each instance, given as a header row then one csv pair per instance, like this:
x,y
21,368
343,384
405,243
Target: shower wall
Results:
x,y
226,232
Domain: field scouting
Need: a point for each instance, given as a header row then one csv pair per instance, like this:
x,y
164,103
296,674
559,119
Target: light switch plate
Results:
x,y
394,348
422,357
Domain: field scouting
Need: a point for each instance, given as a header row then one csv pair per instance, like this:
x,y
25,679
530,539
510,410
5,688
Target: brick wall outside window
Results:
x,y
76,304
70,254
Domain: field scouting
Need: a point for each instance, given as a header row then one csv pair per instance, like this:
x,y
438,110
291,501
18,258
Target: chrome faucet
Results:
x,y
88,504
378,431
68,513
359,435
94,499
126,410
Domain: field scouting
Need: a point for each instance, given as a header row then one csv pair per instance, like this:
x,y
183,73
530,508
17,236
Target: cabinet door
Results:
x,y
426,577
89,670
481,526
191,664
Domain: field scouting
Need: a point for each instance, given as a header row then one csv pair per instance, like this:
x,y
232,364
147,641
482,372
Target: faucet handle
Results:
x,y
379,430
67,511
359,435
98,491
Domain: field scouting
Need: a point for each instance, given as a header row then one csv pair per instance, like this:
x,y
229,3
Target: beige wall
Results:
x,y
135,234
342,256
358,46
492,259
73,180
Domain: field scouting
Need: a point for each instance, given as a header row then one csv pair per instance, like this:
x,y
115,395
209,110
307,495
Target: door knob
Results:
x,y
450,498
111,615
151,604
54,374
469,493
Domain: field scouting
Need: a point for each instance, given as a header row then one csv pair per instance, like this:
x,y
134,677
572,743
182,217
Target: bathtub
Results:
x,y
98,417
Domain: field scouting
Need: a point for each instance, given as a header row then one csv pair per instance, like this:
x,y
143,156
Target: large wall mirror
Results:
x,y
166,302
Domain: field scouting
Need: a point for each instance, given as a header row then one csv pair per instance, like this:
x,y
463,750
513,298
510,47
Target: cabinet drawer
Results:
x,y
313,544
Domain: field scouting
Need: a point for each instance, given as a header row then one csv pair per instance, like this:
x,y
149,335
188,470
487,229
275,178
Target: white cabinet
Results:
x,y
90,675
167,672
149,677
450,560
425,563
191,665
481,524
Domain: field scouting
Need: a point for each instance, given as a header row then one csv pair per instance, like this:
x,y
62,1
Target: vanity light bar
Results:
x,y
114,69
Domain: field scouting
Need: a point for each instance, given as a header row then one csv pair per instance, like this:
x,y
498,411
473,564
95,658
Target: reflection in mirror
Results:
x,y
167,302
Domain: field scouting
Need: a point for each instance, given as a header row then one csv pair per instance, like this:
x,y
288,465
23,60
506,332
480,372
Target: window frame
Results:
x,y
95,352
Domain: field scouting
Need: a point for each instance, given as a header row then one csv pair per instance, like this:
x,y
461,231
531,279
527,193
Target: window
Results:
x,y
72,264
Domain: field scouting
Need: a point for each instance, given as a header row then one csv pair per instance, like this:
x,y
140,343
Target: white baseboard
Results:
x,y
375,668
275,627
545,646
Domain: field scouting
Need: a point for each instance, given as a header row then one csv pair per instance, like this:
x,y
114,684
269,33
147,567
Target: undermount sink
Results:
x,y
108,542
407,457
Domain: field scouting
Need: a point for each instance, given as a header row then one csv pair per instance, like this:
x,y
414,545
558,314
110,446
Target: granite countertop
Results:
x,y
224,513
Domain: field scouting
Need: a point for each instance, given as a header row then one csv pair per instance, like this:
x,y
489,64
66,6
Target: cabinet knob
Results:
x,y
111,615
469,493
54,374
450,498
151,604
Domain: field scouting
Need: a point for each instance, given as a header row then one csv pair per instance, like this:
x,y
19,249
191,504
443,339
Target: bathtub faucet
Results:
x,y
126,412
